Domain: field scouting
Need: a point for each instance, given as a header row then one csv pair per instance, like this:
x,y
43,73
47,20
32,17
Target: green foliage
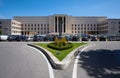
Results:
x,y
60,47
60,54
60,42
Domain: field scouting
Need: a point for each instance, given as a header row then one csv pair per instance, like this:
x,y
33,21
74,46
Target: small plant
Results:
x,y
60,44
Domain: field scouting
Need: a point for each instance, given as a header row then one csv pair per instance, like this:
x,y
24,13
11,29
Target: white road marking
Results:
x,y
49,66
74,74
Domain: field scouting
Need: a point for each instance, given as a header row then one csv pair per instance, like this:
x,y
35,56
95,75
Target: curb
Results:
x,y
55,63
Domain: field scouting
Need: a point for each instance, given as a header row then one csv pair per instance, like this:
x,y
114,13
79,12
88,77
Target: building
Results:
x,y
31,25
10,27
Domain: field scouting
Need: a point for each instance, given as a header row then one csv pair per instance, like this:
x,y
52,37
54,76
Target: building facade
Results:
x,y
10,27
30,25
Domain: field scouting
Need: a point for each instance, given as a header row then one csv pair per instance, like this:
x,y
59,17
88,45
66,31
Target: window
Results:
x,y
35,25
41,28
38,24
38,28
75,31
78,31
25,25
84,24
75,28
72,31
34,28
81,24
88,25
44,28
44,31
72,28
41,32
41,24
75,24
119,22
44,24
78,28
91,24
28,24
72,24
31,24
119,31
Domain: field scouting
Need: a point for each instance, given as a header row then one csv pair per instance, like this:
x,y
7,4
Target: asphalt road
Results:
x,y
100,60
17,60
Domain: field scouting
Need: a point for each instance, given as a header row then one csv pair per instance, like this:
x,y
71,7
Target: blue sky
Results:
x,y
10,8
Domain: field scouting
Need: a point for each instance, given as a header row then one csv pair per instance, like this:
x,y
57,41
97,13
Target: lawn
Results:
x,y
60,54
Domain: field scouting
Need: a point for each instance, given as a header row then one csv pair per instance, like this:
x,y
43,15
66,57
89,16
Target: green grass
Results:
x,y
60,54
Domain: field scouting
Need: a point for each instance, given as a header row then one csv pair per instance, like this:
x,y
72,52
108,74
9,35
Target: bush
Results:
x,y
59,47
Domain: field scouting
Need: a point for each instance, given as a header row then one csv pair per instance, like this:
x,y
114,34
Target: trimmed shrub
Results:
x,y
53,46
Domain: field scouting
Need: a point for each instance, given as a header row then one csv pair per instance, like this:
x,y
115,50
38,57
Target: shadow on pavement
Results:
x,y
101,63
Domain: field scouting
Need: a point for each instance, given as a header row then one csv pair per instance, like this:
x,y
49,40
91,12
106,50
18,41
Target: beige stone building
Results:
x,y
31,25
10,27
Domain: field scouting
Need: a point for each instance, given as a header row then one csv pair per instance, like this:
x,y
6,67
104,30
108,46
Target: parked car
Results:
x,y
38,38
93,39
3,37
12,37
102,38
17,38
84,39
30,38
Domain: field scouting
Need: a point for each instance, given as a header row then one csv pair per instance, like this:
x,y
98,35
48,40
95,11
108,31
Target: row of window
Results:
x,y
83,32
84,28
16,28
105,23
35,24
16,31
36,28
14,23
85,24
